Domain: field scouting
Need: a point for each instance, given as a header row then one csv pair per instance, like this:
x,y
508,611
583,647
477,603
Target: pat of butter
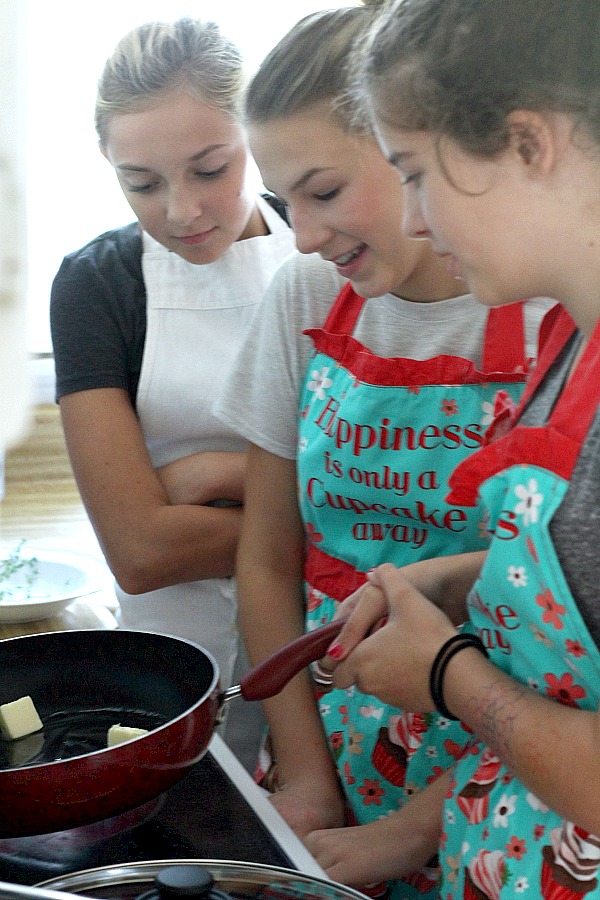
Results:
x,y
18,719
118,734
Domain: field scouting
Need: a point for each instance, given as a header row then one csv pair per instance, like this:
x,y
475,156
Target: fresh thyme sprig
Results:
x,y
14,563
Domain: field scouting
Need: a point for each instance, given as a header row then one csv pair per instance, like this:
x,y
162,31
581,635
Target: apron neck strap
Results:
x,y
579,400
504,343
556,329
344,313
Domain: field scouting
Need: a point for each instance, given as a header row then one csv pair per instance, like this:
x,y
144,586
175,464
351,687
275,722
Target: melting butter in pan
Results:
x,y
20,752
18,719
118,734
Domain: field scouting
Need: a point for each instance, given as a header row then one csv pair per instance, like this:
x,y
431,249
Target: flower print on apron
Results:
x,y
378,439
499,840
197,318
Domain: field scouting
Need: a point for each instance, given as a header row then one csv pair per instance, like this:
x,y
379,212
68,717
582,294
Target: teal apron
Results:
x,y
498,839
378,440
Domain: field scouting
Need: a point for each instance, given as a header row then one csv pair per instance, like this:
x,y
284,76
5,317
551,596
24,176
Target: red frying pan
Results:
x,y
81,683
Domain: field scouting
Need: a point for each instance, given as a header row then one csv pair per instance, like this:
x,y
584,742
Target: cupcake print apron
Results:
x,y
378,440
499,840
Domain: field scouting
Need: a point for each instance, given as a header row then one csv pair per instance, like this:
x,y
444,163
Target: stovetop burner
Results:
x,y
204,816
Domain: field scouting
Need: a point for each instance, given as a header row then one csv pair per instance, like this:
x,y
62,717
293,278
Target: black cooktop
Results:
x,y
202,817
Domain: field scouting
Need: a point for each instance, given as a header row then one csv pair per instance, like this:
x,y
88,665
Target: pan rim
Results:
x,y
213,687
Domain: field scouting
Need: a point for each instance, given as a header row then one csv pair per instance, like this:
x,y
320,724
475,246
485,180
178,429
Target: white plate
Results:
x,y
59,577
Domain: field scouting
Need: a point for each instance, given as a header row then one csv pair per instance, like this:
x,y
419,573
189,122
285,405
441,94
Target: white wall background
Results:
x,y
14,380
72,193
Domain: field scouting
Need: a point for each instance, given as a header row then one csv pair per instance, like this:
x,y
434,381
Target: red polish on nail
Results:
x,y
336,651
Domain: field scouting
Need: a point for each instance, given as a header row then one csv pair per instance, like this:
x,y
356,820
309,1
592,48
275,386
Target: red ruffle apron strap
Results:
x,y
527,445
578,403
344,313
556,329
497,356
504,342
556,314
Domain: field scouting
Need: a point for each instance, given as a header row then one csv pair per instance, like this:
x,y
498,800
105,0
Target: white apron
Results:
x,y
197,317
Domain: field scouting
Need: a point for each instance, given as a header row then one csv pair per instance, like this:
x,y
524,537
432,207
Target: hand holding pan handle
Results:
x,y
271,675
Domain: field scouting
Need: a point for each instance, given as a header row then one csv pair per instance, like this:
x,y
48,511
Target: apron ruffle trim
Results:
x,y
400,371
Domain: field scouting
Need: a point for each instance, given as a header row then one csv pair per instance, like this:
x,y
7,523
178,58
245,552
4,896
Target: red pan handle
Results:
x,y
271,675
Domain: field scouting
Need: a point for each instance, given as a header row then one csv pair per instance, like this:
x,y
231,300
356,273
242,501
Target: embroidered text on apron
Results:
x,y
378,439
499,839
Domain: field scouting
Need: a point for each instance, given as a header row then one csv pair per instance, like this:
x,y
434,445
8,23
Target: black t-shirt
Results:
x,y
98,314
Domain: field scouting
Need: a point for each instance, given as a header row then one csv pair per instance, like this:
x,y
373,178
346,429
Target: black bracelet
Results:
x,y
452,646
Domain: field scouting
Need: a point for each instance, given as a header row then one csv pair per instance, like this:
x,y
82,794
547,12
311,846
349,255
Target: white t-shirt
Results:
x,y
261,396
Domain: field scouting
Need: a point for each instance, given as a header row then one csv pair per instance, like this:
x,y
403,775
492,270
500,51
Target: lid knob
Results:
x,y
184,881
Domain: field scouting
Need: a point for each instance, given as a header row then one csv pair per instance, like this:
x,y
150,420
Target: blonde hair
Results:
x,y
309,65
161,56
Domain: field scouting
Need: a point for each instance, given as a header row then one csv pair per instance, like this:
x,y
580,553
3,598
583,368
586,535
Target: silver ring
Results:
x,y
320,676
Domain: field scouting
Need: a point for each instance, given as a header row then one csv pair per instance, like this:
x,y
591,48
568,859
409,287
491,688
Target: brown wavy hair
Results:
x,y
460,67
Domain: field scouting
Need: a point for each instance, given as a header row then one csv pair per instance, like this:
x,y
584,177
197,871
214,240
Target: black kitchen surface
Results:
x,y
204,816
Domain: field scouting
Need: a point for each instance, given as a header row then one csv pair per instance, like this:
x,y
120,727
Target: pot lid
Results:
x,y
240,880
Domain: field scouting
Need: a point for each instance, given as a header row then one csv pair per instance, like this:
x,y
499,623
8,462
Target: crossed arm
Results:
x,y
153,526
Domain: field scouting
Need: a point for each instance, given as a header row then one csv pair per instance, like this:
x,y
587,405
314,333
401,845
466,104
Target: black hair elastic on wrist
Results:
x,y
452,646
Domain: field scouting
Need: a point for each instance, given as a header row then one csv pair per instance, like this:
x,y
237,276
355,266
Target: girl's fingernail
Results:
x,y
336,651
